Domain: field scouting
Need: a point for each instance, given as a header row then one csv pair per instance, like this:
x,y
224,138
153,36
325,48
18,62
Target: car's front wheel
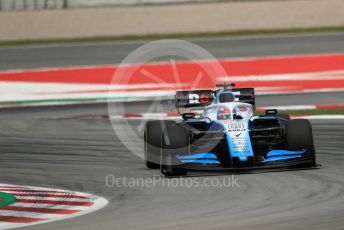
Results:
x,y
299,136
175,140
152,138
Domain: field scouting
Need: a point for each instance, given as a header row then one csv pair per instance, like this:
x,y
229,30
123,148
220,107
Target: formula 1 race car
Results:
x,y
220,131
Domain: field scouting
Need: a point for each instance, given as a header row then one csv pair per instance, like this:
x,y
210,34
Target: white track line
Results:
x,y
322,117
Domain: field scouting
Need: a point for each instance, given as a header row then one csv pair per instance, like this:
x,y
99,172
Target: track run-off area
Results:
x,y
273,75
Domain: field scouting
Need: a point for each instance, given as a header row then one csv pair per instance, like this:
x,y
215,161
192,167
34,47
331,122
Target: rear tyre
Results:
x,y
299,136
152,138
175,140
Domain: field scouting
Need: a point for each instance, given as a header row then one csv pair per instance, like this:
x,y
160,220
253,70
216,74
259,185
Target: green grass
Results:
x,y
6,199
311,112
171,36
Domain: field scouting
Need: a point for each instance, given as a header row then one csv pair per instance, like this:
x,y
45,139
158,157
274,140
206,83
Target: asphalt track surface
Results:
x,y
66,147
115,52
73,147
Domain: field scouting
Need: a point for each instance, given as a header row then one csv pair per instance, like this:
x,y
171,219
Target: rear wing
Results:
x,y
195,100
245,95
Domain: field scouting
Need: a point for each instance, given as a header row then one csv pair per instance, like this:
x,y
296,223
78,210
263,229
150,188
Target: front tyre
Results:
x,y
168,167
152,138
299,136
175,140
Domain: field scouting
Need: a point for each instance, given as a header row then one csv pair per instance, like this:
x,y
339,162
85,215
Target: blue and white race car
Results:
x,y
220,131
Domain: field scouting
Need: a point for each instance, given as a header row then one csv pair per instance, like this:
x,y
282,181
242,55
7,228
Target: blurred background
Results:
x,y
60,4
58,58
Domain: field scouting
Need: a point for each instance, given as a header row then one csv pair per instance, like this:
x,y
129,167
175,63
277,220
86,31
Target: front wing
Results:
x,y
275,159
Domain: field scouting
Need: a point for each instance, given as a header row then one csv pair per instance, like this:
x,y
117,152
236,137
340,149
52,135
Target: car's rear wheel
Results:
x,y
152,138
299,136
175,140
